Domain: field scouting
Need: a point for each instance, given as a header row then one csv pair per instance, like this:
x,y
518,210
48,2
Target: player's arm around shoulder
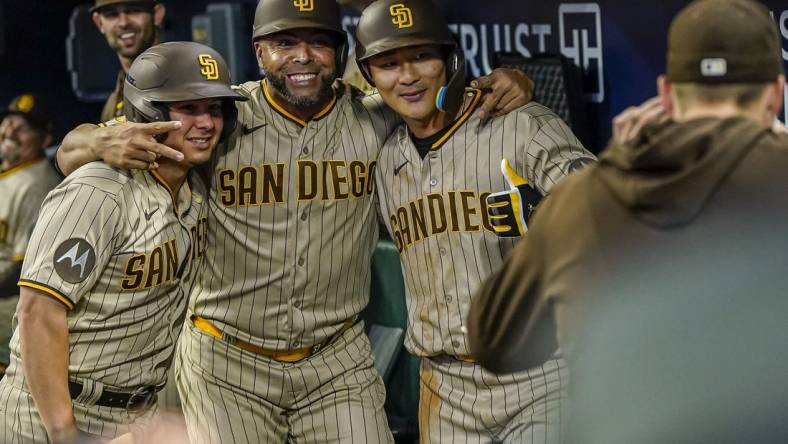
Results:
x,y
120,144
548,147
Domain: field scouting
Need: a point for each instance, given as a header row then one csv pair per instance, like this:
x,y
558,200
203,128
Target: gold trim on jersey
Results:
x,y
157,177
278,108
20,167
460,120
18,258
48,290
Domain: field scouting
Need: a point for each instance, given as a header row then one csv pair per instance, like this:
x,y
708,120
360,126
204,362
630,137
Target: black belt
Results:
x,y
138,400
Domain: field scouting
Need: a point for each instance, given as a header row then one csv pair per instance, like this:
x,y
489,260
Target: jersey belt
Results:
x,y
463,358
278,355
136,401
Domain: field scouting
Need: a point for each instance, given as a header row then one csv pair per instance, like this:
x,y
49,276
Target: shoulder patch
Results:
x,y
74,259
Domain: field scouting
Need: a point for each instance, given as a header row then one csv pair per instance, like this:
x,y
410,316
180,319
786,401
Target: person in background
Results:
x,y
26,176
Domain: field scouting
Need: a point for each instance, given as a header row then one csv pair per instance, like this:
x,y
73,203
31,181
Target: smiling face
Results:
x,y
19,140
409,79
201,126
130,28
300,65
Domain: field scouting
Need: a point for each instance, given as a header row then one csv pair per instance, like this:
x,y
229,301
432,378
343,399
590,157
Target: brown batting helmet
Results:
x,y
386,25
175,72
272,16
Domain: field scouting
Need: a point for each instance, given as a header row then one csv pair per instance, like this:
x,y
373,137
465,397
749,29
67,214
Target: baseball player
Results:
x,y
111,262
455,194
26,176
272,350
130,27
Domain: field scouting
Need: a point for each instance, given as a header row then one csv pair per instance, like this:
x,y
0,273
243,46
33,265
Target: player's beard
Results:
x,y
324,94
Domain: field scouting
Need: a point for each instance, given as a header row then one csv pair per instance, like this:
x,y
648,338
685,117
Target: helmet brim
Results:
x,y
399,42
190,91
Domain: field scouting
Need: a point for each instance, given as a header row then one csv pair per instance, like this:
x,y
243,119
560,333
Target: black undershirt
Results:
x,y
423,146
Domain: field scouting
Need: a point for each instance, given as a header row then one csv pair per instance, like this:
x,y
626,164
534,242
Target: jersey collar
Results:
x,y
281,110
20,167
473,97
185,191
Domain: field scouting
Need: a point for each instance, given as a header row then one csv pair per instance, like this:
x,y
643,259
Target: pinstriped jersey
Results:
x,y
120,251
22,188
435,209
292,220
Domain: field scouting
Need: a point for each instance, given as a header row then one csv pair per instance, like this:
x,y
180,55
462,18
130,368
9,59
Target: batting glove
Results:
x,y
509,211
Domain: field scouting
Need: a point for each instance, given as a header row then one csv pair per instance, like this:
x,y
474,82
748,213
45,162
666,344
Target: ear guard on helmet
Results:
x,y
450,96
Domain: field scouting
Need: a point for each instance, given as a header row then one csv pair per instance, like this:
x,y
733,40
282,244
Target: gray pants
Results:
x,y
233,396
460,402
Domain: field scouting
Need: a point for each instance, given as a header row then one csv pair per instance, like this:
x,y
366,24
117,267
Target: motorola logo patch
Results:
x,y
74,260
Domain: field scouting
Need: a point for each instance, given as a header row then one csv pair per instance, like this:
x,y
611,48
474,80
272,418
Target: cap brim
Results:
x,y
45,126
98,8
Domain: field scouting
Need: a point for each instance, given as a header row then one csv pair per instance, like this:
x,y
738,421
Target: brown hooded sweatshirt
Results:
x,y
683,211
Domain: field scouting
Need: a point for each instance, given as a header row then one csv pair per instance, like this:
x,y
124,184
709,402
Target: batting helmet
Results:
x,y
386,25
175,72
272,16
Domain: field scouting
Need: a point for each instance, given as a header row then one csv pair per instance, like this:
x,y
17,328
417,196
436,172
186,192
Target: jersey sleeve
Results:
x,y
552,153
72,242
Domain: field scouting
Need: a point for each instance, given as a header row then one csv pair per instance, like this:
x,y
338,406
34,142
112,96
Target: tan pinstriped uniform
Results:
x,y
113,107
22,188
120,251
292,227
435,210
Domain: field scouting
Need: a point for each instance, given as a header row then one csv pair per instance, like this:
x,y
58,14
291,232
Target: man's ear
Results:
x,y
258,52
665,90
776,95
97,21
159,12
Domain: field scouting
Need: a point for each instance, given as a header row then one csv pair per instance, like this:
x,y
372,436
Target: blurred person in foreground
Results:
x,y
26,176
663,267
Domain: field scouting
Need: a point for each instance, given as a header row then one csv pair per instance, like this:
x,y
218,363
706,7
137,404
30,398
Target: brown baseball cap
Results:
x,y
32,107
724,41
102,3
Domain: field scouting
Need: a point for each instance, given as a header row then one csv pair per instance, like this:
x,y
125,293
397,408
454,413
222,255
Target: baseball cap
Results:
x,y
33,109
102,3
724,41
